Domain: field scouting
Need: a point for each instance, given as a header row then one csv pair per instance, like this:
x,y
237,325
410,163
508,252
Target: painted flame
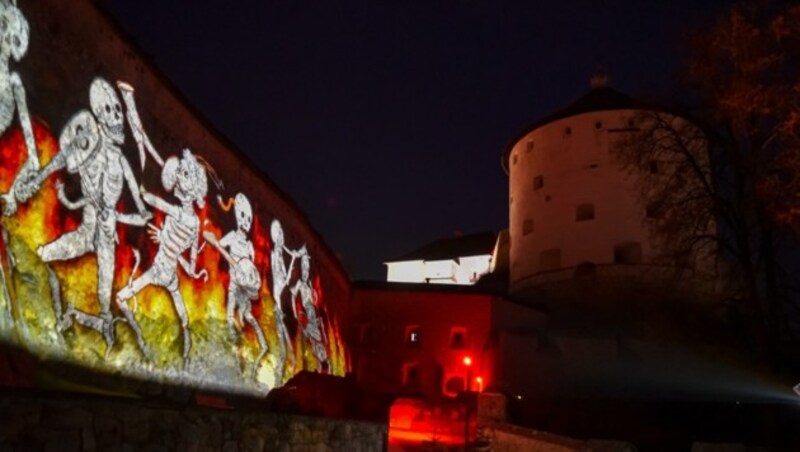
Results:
x,y
42,219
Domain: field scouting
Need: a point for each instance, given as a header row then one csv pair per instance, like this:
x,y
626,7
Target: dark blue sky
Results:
x,y
385,120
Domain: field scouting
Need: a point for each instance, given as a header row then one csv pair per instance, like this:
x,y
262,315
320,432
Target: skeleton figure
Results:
x,y
14,44
314,330
186,178
245,281
280,280
104,171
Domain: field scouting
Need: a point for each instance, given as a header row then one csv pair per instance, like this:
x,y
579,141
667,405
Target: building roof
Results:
x,y
600,98
452,248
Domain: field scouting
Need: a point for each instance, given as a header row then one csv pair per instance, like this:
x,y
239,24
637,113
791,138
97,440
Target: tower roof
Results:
x,y
600,98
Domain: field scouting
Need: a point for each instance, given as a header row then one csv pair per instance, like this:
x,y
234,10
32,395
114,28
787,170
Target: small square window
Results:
x,y
538,182
529,147
458,338
413,336
527,227
598,125
568,130
628,253
584,212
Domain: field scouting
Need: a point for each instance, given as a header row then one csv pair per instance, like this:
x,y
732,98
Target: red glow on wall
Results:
x,y
414,422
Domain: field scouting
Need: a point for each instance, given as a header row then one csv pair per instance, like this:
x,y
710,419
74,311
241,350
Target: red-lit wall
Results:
x,y
389,310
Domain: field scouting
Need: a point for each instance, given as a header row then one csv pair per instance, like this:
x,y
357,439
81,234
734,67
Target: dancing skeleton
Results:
x,y
245,281
313,330
13,44
280,280
180,232
104,172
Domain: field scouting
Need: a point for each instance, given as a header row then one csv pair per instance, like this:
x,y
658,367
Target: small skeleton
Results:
x,y
180,232
313,330
280,280
90,145
13,44
245,281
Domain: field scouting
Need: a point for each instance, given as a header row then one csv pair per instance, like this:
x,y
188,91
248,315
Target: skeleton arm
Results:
x,y
160,204
190,267
143,216
225,242
62,196
25,120
294,291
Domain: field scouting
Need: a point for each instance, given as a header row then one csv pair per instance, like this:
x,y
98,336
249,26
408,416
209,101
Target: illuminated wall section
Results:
x,y
133,238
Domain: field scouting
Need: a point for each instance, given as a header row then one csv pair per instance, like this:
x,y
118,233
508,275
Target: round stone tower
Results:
x,y
573,210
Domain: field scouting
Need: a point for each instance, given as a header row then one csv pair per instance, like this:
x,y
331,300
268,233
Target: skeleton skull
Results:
x,y
79,139
169,174
276,231
192,182
108,110
244,212
13,31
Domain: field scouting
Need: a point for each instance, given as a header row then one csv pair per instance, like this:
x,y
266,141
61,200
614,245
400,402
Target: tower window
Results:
x,y
527,227
458,338
413,336
538,182
584,212
598,125
568,130
529,147
628,253
411,377
514,159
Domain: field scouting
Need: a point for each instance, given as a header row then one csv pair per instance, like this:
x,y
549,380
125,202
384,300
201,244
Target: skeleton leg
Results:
x,y
180,309
70,245
105,278
62,321
245,309
285,352
127,293
230,308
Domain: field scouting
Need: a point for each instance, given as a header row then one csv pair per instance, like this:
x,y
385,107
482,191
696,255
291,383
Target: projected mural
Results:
x,y
130,268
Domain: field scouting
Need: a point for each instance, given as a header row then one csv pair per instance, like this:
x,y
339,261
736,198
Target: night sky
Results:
x,y
385,120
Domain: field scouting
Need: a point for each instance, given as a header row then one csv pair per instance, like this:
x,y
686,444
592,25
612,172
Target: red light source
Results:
x,y
467,361
479,381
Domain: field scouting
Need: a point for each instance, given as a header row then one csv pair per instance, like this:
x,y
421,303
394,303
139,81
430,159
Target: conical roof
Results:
x,y
600,98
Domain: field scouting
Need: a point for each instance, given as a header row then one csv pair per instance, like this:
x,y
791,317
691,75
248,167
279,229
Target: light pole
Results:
x,y
467,387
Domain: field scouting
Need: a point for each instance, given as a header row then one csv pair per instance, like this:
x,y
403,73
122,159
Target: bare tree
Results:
x,y
719,180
